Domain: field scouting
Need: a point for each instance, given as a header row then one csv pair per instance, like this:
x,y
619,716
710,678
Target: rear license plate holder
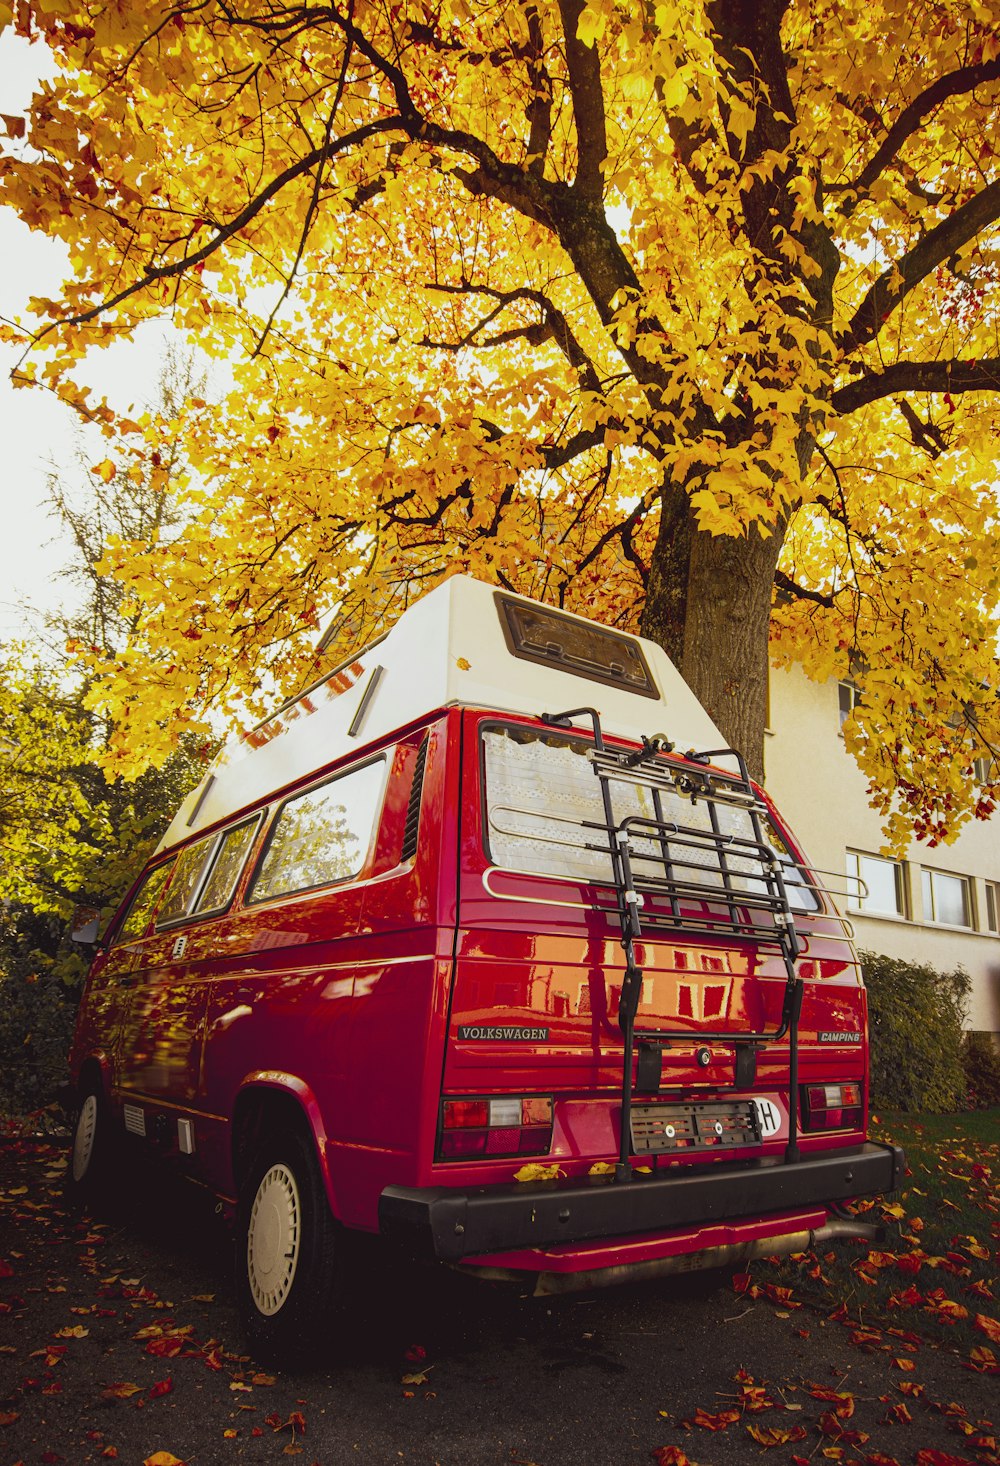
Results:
x,y
683,1129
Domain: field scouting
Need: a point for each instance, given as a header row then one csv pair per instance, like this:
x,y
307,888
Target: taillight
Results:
x,y
831,1106
507,1125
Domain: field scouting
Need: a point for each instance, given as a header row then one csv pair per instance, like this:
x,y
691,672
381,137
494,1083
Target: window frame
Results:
x,y
992,912
849,685
216,840
927,877
211,841
117,937
249,899
577,736
855,904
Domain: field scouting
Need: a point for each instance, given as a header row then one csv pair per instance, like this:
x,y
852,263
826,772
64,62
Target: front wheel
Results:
x,y
288,1252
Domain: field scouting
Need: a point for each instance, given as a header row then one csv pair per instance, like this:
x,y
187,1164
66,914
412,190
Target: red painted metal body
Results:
x,y
348,1001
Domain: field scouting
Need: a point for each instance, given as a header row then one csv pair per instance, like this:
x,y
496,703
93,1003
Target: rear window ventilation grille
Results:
x,y
413,807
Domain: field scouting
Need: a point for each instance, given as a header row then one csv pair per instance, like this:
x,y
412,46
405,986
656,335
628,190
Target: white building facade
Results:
x,y
938,906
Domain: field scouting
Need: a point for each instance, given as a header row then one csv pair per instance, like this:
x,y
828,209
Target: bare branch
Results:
x,y
226,231
554,326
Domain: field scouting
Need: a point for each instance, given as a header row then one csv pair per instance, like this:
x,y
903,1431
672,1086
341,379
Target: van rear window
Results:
x,y
543,801
321,836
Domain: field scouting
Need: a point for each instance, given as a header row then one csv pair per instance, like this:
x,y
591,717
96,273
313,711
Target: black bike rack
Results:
x,y
762,914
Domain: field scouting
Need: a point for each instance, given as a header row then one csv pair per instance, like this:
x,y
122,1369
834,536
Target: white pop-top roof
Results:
x,y
448,649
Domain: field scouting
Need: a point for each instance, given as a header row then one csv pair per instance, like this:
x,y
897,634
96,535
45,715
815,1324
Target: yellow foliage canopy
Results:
x,y
660,312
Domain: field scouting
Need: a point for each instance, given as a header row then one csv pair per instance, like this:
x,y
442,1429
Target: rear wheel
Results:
x,y
91,1158
289,1271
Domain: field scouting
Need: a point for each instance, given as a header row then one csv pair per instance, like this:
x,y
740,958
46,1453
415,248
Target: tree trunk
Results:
x,y
709,606
664,611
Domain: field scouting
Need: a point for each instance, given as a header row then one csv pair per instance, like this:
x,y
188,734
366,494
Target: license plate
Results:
x,y
722,1125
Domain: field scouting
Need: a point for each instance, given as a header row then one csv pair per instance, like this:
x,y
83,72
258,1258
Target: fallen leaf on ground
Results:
x,y
772,1435
708,1421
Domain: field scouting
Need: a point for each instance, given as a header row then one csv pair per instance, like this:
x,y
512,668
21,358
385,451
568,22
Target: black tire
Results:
x,y
90,1171
289,1271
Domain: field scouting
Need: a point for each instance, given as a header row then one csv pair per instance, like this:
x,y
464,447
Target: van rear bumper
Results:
x,y
454,1223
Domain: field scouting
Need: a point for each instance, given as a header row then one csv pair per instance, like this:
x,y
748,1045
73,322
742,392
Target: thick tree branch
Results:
x,y
895,283
584,66
954,376
965,79
539,111
924,435
790,589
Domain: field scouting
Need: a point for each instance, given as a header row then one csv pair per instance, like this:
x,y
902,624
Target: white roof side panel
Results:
x,y
447,649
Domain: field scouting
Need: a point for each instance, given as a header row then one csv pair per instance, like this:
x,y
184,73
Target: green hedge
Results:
x,y
915,1014
981,1061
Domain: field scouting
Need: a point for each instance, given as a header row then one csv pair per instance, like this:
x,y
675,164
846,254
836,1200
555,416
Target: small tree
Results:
x,y
70,835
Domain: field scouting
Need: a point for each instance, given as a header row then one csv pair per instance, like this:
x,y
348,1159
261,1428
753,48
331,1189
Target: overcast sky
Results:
x,y
37,433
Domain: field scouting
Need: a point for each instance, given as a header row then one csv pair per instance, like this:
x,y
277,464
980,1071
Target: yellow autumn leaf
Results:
x,y
820,415
538,1172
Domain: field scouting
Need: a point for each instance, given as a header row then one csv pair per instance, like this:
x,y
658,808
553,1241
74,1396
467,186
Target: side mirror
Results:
x,y
85,925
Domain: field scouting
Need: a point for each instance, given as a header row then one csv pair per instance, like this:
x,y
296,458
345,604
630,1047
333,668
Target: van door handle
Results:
x,y
126,982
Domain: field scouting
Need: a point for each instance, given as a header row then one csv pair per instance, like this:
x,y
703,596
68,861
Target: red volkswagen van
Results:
x,y
486,944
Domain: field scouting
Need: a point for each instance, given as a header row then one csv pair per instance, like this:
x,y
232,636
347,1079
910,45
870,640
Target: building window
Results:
x,y
875,886
983,770
993,906
946,898
848,697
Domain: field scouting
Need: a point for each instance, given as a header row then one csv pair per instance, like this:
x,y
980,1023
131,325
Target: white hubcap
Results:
x,y
83,1140
274,1239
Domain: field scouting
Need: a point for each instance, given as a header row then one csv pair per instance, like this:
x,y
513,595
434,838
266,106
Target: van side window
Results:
x,y
321,836
143,904
218,889
187,878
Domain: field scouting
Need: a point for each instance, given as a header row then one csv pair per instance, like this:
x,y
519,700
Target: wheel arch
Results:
x,y
92,1072
270,1102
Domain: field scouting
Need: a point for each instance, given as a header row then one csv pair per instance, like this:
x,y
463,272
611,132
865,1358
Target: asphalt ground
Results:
x,y
119,1340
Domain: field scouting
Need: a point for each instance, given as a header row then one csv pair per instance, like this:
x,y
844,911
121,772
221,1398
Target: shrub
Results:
x,y
915,1014
40,979
981,1062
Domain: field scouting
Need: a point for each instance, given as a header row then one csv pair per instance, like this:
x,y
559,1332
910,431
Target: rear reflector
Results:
x,y
507,1125
832,1106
